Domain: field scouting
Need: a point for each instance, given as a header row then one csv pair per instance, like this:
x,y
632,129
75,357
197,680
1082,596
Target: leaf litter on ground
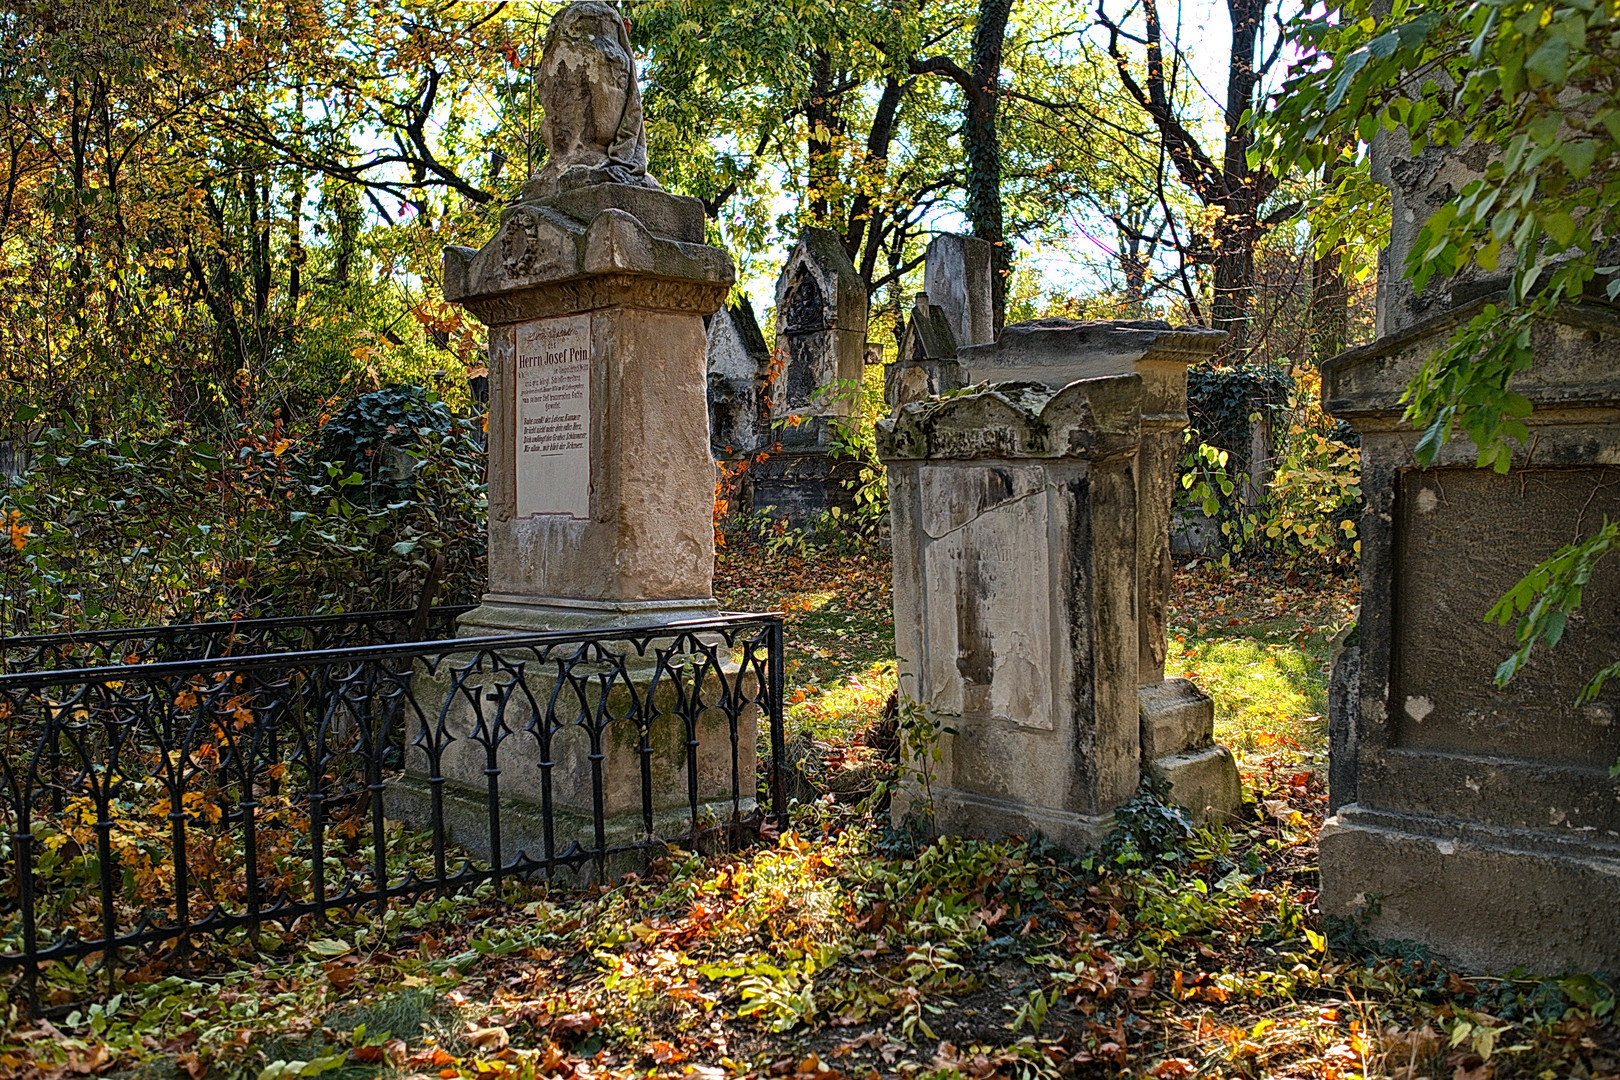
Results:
x,y
846,948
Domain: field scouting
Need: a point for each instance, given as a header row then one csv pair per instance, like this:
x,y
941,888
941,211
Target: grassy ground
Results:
x,y
842,949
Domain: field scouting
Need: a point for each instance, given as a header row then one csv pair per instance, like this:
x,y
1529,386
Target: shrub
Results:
x,y
107,531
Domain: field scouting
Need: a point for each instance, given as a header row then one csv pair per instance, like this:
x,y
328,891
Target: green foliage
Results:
x,y
1306,516
374,432
107,531
1543,600
1531,81
1222,403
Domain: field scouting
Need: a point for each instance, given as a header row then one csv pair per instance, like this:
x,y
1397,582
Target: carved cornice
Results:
x,y
593,293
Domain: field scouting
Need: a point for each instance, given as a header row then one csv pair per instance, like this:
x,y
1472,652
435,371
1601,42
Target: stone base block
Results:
x,y
536,615
1176,717
1204,782
1486,899
576,732
961,813
800,486
523,826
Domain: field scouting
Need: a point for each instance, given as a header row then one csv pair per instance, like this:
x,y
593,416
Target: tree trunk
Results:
x,y
821,168
983,144
1238,229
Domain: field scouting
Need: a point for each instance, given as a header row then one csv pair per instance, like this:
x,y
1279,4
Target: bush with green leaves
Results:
x,y
110,531
1306,518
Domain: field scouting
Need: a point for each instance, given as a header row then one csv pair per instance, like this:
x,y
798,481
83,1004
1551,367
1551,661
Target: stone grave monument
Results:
x,y
821,312
952,312
1014,523
926,364
601,484
957,276
1480,821
1170,723
739,366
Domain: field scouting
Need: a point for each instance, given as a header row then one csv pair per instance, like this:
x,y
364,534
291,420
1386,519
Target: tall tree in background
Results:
x,y
980,85
1233,193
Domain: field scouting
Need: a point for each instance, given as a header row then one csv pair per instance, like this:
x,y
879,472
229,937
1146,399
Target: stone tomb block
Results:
x,y
479,702
1178,744
1479,820
1014,522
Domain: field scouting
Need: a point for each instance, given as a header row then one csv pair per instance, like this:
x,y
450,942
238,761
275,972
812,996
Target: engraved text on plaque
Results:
x,y
554,417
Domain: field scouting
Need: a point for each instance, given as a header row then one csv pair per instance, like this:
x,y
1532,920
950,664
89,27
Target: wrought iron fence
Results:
x,y
141,805
200,641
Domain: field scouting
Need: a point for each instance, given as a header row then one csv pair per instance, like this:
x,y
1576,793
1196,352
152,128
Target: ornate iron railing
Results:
x,y
201,641
141,805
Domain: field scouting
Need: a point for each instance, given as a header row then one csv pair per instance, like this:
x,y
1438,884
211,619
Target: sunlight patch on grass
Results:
x,y
841,710
1267,695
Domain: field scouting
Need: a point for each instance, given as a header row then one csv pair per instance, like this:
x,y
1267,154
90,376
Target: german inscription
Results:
x,y
554,417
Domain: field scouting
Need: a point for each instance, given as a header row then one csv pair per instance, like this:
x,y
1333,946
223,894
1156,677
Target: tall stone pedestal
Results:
x,y
1178,720
600,515
1479,821
600,480
1014,517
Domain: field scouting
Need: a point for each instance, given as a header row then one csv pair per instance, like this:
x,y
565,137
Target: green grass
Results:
x,y
1269,694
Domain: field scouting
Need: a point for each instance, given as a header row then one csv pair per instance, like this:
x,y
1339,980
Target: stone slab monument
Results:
x,y
1169,723
821,314
1014,520
595,290
1178,721
1480,821
957,275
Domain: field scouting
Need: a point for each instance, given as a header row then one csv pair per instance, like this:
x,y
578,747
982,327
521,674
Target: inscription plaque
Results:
x,y
554,417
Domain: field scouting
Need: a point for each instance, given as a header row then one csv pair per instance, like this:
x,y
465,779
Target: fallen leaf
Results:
x,y
664,1053
573,1025
489,1038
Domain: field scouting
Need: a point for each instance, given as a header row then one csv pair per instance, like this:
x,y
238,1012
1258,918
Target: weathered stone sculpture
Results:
x,y
1170,723
821,311
1480,821
592,124
600,478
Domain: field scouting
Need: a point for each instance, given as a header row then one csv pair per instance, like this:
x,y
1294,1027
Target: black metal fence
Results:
x,y
141,805
199,641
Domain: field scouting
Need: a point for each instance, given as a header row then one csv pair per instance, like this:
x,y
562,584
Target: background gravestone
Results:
x,y
953,311
926,364
739,366
957,275
821,313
